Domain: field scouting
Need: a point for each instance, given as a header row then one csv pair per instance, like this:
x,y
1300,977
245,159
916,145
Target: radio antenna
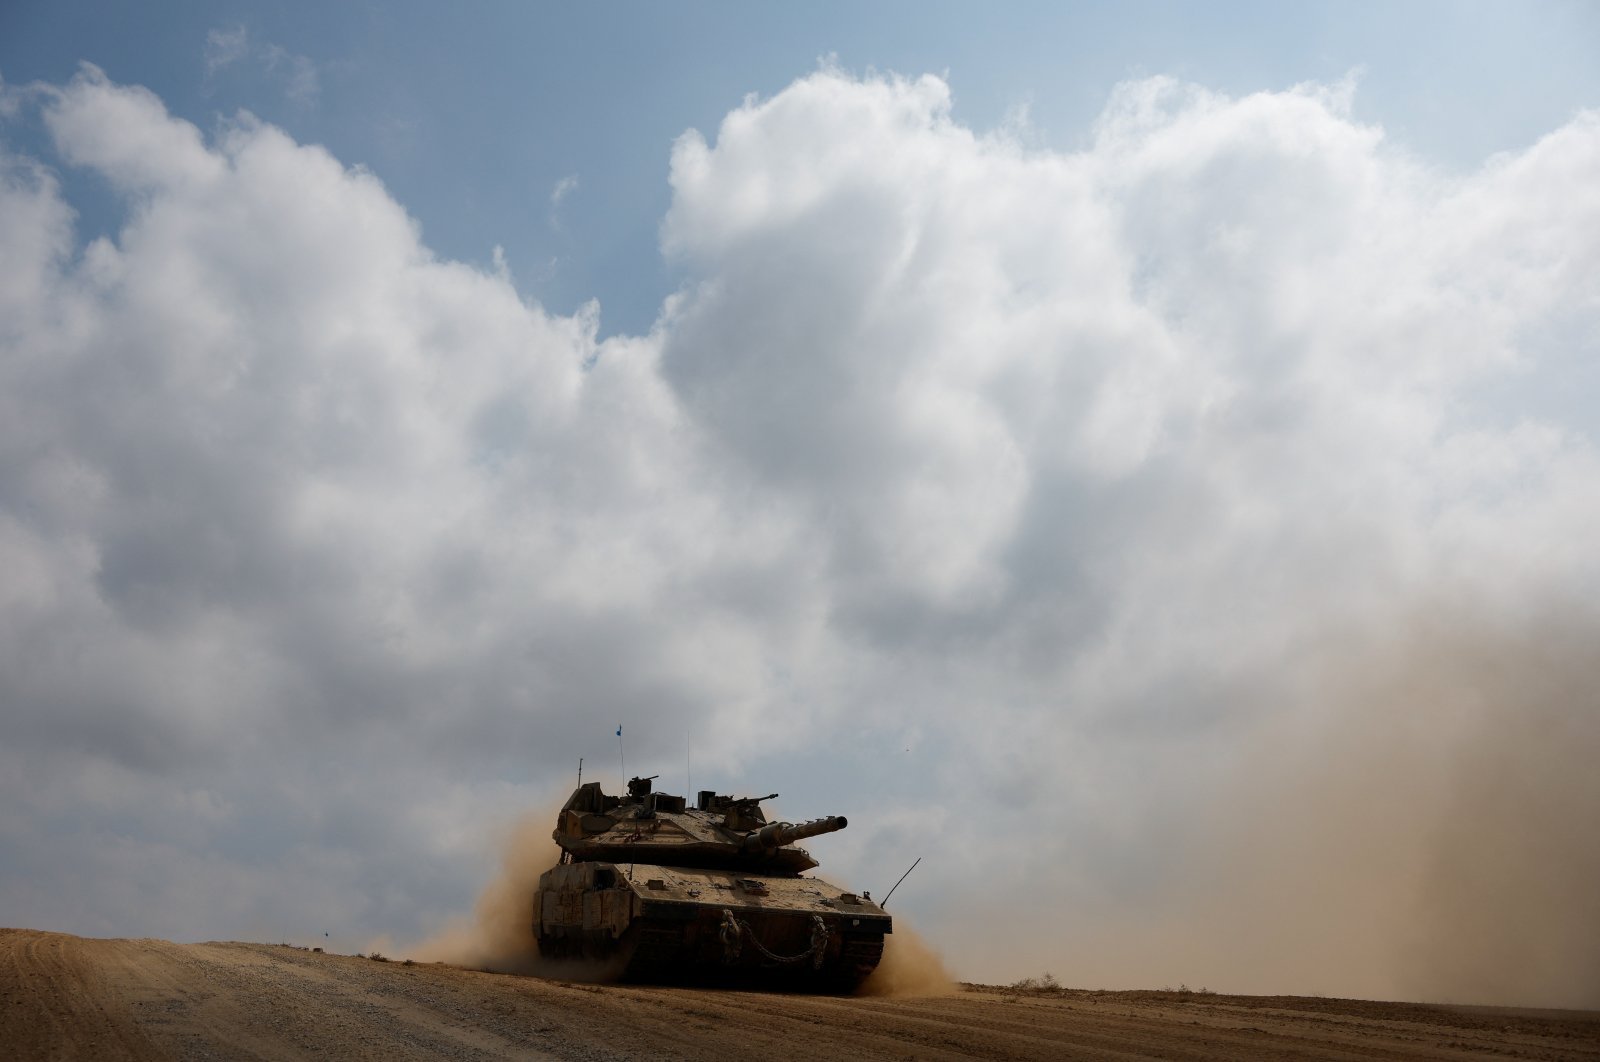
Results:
x,y
621,755
885,901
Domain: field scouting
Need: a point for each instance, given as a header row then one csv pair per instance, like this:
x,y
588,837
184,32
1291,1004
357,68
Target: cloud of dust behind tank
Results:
x,y
499,934
1423,829
910,967
1503,894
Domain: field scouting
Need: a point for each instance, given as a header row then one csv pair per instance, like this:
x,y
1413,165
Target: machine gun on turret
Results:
x,y
744,813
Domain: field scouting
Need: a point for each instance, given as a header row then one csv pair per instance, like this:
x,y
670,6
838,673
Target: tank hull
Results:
x,y
642,922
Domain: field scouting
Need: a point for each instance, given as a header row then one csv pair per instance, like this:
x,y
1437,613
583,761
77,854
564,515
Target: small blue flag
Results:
x,y
619,731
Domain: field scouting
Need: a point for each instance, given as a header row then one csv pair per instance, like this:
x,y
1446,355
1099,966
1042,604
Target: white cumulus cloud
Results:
x,y
1057,499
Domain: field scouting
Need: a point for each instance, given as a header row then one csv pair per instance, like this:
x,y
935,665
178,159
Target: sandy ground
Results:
x,y
64,997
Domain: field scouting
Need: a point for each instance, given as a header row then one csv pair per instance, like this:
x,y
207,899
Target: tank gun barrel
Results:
x,y
779,834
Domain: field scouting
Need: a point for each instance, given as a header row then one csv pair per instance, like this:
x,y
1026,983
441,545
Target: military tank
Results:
x,y
650,889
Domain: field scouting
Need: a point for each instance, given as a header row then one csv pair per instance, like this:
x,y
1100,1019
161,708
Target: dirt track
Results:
x,y
68,997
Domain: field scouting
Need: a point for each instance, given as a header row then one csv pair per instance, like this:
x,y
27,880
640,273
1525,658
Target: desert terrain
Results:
x,y
66,997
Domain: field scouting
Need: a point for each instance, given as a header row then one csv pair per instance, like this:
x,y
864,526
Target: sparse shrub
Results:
x,y
1043,985
375,957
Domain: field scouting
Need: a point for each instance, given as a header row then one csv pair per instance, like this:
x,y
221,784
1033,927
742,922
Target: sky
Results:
x,y
1140,459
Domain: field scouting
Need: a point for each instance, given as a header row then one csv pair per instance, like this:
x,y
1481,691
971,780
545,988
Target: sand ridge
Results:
x,y
66,997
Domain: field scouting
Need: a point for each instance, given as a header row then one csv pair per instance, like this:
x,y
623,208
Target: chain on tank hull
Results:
x,y
732,906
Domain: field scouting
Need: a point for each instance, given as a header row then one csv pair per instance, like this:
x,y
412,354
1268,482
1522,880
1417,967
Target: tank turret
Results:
x,y
718,832
666,891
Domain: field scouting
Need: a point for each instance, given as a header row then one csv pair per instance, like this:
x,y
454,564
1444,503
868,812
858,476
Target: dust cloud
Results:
x,y
1424,828
499,935
910,967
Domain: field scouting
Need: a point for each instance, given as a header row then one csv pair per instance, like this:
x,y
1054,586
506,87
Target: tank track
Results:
x,y
656,952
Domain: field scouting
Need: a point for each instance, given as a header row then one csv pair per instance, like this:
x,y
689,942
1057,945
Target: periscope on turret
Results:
x,y
660,891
